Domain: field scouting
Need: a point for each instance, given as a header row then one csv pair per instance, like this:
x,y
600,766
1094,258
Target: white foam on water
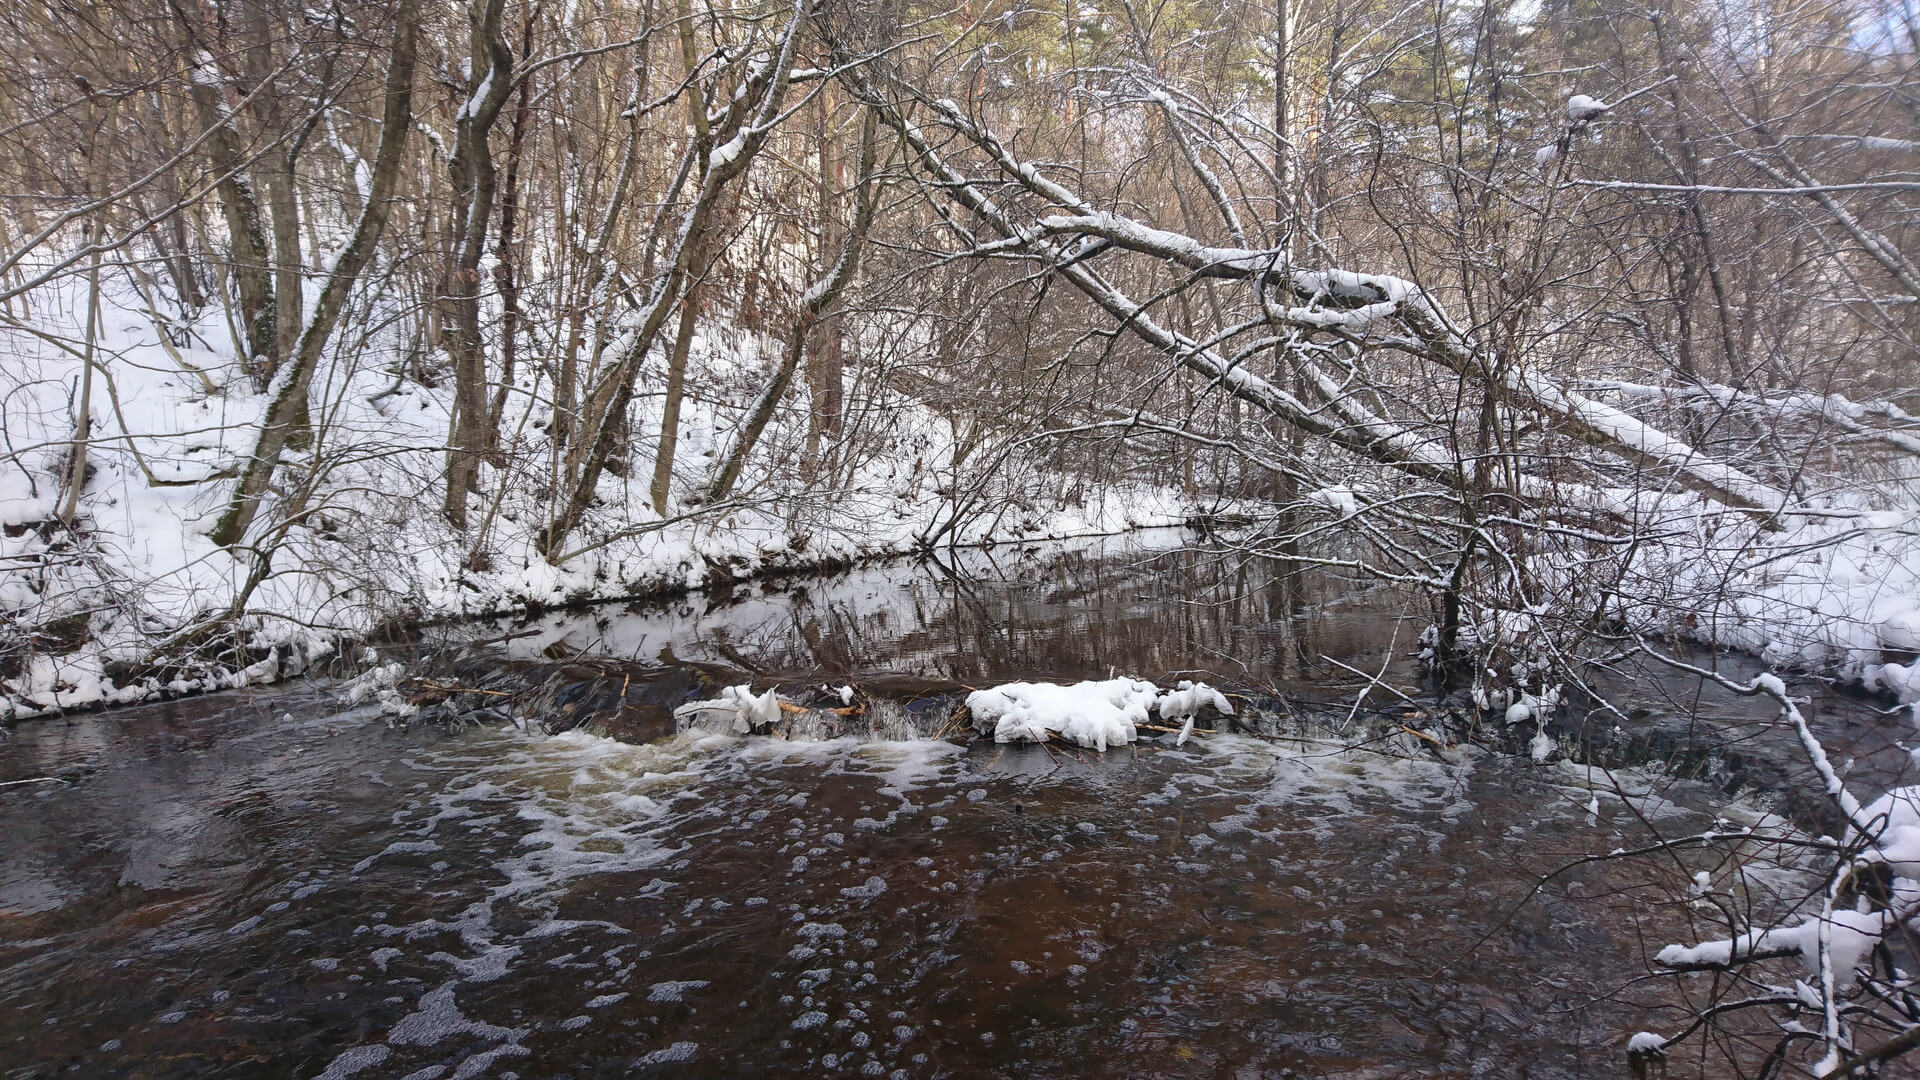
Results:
x,y
670,1055
437,1017
674,990
1320,786
557,811
479,1063
403,847
357,1060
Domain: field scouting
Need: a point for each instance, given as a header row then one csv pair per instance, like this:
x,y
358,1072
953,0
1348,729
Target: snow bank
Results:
x,y
83,610
1835,594
1096,715
1820,594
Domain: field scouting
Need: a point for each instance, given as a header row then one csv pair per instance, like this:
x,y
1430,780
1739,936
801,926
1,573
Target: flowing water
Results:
x,y
274,884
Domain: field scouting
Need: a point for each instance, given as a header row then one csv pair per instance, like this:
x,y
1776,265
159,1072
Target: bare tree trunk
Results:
x,y
1349,422
170,237
1282,115
506,254
587,295
751,117
670,408
470,167
277,178
819,298
292,382
83,411
250,268
825,356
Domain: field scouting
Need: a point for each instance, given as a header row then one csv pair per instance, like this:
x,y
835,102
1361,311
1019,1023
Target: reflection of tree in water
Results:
x,y
1228,616
1225,617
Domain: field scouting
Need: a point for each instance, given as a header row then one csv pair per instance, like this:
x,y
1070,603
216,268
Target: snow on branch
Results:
x,y
1343,301
1838,943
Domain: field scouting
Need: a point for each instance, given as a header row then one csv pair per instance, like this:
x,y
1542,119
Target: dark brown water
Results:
x,y
269,884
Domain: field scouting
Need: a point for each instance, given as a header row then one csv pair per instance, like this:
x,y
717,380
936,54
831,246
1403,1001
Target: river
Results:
x,y
272,883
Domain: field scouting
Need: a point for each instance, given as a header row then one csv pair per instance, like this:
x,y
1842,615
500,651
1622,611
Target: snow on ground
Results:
x,y
174,416
81,610
1830,594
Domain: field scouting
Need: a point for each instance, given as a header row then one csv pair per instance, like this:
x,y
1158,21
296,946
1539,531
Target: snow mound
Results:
x,y
1894,819
1095,715
1900,680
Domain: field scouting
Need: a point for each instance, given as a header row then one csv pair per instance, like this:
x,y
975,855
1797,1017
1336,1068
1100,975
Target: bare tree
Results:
x,y
289,393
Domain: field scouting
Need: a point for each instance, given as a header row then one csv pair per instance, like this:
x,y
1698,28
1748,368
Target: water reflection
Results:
x,y
1155,605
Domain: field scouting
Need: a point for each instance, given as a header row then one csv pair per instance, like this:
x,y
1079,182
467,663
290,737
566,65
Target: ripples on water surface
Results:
x,y
267,885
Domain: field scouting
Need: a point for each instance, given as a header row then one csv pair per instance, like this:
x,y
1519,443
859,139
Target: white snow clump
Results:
x,y
1534,706
1092,714
1188,698
381,686
738,705
1581,107
1095,715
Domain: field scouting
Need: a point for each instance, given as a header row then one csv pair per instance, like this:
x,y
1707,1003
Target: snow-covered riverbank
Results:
x,y
119,605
